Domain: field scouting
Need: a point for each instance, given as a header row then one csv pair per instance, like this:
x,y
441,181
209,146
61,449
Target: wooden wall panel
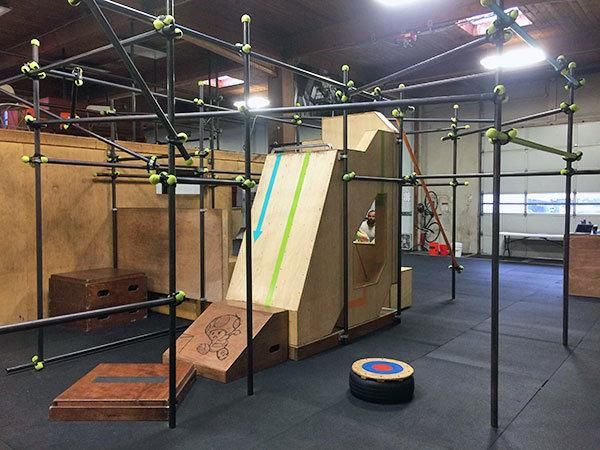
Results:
x,y
76,210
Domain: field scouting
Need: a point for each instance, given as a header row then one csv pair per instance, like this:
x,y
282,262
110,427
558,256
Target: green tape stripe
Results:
x,y
288,229
382,160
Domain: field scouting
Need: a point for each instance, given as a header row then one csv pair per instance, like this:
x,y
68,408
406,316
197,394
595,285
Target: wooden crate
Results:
x,y
584,271
95,289
122,392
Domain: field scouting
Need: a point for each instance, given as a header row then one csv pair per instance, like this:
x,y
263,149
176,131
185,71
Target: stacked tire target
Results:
x,y
382,380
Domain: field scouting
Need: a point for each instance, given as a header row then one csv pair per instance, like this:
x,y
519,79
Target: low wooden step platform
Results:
x,y
386,319
216,342
122,392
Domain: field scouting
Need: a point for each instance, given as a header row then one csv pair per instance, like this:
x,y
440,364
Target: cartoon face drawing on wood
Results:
x,y
219,330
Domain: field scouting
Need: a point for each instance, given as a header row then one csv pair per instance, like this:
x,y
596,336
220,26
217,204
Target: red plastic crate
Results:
x,y
434,249
444,250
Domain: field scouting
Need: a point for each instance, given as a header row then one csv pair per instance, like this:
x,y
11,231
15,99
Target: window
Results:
x,y
548,203
587,203
509,203
583,203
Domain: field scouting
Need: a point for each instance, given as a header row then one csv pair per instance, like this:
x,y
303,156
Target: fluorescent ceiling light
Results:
x,y
254,102
395,3
514,59
224,81
477,25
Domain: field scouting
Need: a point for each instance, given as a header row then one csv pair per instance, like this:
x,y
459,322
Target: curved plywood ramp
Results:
x,y
297,230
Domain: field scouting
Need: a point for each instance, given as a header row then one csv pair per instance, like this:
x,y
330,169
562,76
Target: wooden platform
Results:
x,y
385,320
122,392
216,342
584,272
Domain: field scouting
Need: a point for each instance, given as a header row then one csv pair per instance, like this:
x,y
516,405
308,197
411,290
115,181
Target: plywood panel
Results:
x,y
584,271
76,210
306,277
144,246
216,342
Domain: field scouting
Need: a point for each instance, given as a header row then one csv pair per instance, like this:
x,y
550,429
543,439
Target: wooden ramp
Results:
x,y
215,344
297,231
122,392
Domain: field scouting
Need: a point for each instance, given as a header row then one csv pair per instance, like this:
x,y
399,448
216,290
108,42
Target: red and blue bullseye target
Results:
x,y
382,367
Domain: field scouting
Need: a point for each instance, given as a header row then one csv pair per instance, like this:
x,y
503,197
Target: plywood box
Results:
x,y
584,270
122,392
216,342
87,290
406,301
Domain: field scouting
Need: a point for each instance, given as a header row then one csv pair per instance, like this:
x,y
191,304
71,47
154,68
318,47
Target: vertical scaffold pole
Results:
x,y
202,155
568,189
495,294
37,149
454,191
345,235
172,230
113,192
246,49
399,237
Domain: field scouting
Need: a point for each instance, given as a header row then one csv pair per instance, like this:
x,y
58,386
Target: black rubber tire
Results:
x,y
387,392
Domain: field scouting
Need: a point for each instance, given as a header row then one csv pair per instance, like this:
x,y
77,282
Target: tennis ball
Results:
x,y
158,24
246,18
492,133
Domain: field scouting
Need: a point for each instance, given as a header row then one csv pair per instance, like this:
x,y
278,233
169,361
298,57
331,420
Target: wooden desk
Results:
x,y
584,269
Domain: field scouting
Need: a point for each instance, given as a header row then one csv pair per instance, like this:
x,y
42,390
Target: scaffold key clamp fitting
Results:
x,y
179,297
163,178
245,183
33,160
38,364
31,69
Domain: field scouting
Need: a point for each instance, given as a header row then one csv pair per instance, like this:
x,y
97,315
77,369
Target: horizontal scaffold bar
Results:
x,y
93,314
442,176
79,128
146,17
288,109
80,56
396,75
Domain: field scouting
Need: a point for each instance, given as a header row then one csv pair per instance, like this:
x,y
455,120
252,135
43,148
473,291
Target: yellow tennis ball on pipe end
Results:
x,y
246,48
345,68
168,19
467,183
154,179
35,42
171,180
456,106
25,159
246,18
158,24
189,162
512,133
492,133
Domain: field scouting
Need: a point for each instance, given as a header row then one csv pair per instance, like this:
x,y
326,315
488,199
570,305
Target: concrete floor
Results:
x,y
549,394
